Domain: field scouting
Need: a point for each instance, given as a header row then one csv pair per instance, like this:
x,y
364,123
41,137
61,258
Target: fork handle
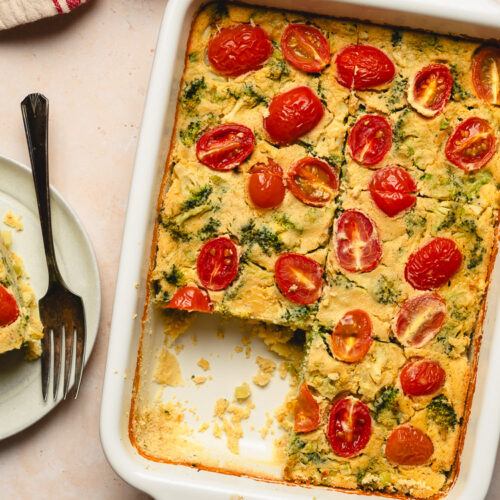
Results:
x,y
35,110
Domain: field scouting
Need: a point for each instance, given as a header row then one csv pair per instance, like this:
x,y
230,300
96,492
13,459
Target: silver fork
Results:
x,y
61,311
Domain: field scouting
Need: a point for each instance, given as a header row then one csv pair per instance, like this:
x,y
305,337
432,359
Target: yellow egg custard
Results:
x,y
341,178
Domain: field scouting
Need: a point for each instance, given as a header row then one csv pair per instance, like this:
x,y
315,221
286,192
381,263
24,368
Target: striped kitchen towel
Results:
x,y
14,12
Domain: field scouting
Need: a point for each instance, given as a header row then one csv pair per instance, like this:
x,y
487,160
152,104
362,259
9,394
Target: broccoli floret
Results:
x,y
458,93
175,230
443,124
300,313
399,134
475,182
195,129
158,293
174,276
219,11
396,38
268,241
193,57
209,230
441,412
414,223
386,291
341,280
386,406
396,92
191,94
197,198
476,254
278,69
308,147
254,95
286,223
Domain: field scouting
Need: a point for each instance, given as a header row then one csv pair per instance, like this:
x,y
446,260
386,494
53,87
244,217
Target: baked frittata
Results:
x,y
19,319
341,178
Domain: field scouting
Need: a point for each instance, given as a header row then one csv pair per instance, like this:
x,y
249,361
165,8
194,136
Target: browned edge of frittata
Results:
x,y
477,335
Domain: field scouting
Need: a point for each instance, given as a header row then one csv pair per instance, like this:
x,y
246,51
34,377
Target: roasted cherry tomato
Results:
x,y
357,242
430,89
313,181
419,320
352,337
363,67
349,427
370,139
305,47
218,263
486,74
393,190
190,298
9,310
306,411
226,146
422,377
299,278
293,114
265,186
433,265
238,49
471,145
408,446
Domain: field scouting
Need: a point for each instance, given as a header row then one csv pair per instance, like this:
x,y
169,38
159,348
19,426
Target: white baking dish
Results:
x,y
478,19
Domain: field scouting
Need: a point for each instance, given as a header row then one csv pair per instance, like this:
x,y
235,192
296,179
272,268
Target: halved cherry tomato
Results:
x,y
486,74
408,446
313,181
306,413
299,278
430,89
305,47
363,67
349,427
352,337
471,145
393,190
419,320
238,49
293,114
9,310
422,377
218,263
433,265
265,186
357,242
190,298
370,139
226,146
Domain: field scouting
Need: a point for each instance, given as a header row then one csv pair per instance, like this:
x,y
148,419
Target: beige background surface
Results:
x,y
94,66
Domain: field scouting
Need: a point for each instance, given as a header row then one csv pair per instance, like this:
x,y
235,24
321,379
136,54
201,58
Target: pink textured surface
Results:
x,y
94,67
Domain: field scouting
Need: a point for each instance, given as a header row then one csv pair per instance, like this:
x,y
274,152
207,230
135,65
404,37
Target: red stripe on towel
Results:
x,y
73,3
58,7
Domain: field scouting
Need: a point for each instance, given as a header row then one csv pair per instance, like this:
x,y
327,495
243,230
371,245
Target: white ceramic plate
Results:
x,y
21,402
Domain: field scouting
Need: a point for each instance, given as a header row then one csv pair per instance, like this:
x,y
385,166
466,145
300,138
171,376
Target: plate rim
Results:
x,y
89,346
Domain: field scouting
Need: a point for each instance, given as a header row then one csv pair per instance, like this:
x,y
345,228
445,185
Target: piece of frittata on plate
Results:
x,y
19,319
